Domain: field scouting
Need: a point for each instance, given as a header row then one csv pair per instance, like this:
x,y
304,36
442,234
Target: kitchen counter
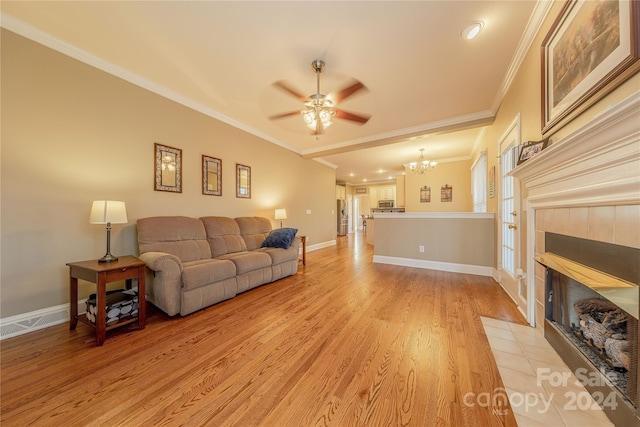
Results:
x,y
387,210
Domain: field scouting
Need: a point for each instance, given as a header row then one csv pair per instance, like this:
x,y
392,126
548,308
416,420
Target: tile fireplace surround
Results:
x,y
584,185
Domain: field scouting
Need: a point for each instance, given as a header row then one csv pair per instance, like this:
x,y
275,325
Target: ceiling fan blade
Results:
x,y
348,91
283,115
345,115
281,84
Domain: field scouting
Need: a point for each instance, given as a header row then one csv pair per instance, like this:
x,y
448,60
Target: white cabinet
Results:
x,y
381,192
373,197
387,193
341,192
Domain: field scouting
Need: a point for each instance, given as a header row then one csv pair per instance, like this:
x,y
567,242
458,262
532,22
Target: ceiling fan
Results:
x,y
319,109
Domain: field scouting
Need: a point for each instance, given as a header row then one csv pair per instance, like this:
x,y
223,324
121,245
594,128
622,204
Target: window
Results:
x,y
479,183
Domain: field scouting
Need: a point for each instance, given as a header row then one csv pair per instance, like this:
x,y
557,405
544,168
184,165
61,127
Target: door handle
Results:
x,y
512,226
514,213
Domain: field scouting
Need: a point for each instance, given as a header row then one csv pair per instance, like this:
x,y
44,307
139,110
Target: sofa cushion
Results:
x,y
254,230
279,256
280,238
177,235
204,272
248,261
223,235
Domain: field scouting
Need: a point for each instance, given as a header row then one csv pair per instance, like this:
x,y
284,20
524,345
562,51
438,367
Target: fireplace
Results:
x,y
591,317
584,185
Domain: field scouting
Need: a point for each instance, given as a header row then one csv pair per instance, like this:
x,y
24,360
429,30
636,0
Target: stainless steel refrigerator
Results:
x,y
342,217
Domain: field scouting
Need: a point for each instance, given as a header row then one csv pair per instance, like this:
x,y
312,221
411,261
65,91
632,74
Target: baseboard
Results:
x,y
435,265
40,319
34,320
315,247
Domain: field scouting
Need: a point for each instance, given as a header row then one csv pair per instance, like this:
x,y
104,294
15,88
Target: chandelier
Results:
x,y
422,165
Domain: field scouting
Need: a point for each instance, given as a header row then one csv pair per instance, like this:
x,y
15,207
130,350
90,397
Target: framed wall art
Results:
x,y
531,149
591,48
446,193
492,182
168,168
211,176
425,194
243,181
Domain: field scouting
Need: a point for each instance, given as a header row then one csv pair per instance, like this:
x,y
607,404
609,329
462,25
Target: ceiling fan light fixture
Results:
x,y
319,109
312,115
472,30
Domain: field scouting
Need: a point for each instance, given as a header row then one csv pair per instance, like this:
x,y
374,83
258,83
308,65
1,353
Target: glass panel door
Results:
x,y
508,220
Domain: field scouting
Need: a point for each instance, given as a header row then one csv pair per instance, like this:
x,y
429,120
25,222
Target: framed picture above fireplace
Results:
x,y
591,48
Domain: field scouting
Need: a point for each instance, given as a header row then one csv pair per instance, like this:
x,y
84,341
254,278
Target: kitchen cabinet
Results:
x,y
373,197
341,192
387,193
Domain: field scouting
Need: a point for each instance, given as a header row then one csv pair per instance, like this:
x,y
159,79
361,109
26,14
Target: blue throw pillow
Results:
x,y
280,238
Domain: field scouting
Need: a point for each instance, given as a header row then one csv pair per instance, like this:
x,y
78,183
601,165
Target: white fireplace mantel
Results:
x,y
598,164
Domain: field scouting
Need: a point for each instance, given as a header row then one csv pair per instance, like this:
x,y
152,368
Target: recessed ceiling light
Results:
x,y
472,30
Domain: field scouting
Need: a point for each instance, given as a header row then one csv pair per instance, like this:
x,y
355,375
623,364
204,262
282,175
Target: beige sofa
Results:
x,y
193,263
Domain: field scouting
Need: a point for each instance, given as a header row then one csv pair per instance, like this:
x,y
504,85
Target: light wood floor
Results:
x,y
344,342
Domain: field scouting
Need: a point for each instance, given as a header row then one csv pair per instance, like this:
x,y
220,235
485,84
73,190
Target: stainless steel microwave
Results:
x,y
385,203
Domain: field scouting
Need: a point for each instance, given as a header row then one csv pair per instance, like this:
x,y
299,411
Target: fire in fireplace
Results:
x,y
591,316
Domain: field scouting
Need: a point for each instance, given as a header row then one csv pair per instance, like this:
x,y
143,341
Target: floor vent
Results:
x,y
29,322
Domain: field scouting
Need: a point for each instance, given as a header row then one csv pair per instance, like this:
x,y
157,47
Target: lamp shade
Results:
x,y
108,211
281,214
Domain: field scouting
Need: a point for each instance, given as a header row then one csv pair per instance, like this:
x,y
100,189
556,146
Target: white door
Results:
x,y
509,215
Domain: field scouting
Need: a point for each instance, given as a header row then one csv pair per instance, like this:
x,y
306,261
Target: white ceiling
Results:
x,y
426,86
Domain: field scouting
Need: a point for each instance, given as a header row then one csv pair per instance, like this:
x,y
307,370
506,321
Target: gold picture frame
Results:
x,y
591,48
168,168
243,181
211,176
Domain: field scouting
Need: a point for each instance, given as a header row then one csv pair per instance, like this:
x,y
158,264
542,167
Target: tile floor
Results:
x,y
542,390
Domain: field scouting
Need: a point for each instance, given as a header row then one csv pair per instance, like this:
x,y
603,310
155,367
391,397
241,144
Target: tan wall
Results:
x,y
72,134
452,240
524,98
455,174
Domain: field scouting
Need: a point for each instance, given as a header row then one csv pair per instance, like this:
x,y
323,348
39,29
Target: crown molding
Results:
x,y
30,32
537,18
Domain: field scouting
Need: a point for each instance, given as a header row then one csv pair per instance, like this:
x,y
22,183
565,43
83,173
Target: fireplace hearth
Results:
x,y
591,316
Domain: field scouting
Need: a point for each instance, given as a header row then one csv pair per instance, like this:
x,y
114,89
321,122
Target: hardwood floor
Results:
x,y
344,342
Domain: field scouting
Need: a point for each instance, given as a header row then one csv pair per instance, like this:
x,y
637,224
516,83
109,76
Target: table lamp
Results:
x,y
108,212
281,214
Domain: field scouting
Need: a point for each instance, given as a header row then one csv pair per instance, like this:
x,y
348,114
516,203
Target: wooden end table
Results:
x,y
303,239
125,268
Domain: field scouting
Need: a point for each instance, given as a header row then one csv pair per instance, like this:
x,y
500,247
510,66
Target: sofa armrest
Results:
x,y
297,243
158,261
164,280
